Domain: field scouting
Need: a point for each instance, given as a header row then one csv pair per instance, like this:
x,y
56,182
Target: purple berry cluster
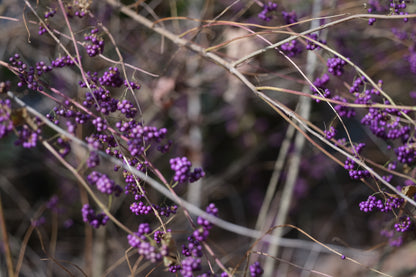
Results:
x,y
357,84
27,137
351,165
101,100
403,225
390,121
310,45
256,270
131,181
393,7
111,78
388,204
90,217
189,266
406,153
94,43
44,26
71,116
182,167
330,133
355,173
386,124
29,75
193,249
62,62
166,211
336,66
103,183
290,17
320,82
267,9
291,49
139,208
146,247
127,108
139,136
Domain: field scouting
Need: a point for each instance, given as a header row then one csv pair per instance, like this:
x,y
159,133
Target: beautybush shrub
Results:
x,y
138,126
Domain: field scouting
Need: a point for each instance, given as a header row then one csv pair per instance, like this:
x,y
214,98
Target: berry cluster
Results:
x,y
310,45
101,100
62,62
70,114
140,135
406,153
189,266
403,225
29,75
320,82
256,270
336,66
139,208
166,211
131,181
111,78
44,26
95,43
357,84
330,133
386,124
103,183
95,220
372,202
265,13
182,167
127,108
27,136
394,7
290,17
193,249
351,165
291,48
146,247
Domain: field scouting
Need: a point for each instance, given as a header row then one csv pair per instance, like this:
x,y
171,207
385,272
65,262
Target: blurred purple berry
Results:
x,y
95,220
256,270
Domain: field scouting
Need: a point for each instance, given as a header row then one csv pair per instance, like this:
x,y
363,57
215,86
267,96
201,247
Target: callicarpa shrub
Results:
x,y
207,138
